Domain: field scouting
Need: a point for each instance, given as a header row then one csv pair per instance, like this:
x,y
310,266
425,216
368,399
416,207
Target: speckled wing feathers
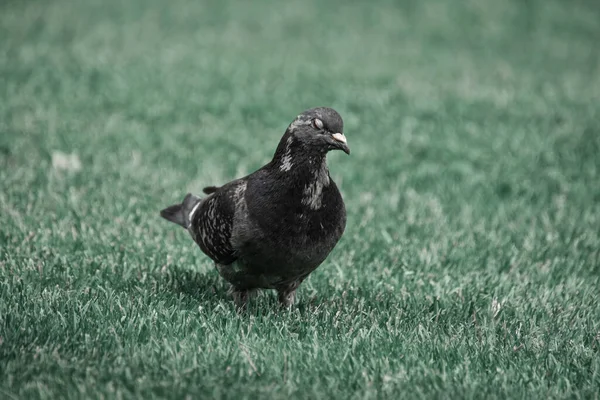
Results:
x,y
212,224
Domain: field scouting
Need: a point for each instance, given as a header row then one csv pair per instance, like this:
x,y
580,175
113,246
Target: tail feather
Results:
x,y
180,213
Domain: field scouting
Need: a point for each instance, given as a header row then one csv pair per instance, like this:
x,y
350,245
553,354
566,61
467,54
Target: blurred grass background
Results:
x,y
470,263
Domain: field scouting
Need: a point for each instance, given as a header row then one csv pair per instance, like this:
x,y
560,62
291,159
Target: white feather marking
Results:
x,y
286,160
299,121
314,190
191,215
240,190
286,163
241,209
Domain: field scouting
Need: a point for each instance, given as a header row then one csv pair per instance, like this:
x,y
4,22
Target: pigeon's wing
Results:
x,y
210,189
212,222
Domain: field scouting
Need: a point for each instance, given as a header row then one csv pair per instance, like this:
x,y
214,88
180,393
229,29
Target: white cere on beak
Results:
x,y
339,137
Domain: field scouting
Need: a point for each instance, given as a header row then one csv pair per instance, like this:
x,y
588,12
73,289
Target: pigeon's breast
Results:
x,y
287,239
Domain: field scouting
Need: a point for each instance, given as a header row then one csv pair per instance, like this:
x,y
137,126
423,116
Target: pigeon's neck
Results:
x,y
293,157
306,169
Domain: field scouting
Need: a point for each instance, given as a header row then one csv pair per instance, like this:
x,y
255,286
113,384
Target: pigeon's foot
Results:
x,y
240,297
287,297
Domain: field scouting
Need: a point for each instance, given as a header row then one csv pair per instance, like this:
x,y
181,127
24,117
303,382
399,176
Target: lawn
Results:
x,y
470,266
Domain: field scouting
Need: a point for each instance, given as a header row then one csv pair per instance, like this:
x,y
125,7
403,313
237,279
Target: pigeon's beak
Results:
x,y
340,142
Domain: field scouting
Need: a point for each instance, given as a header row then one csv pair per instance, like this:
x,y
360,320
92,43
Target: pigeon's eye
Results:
x,y
317,123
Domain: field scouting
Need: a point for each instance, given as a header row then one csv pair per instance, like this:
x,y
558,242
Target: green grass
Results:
x,y
470,265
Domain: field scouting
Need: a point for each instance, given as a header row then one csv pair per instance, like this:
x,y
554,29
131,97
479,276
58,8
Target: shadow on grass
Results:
x,y
210,289
202,286
191,288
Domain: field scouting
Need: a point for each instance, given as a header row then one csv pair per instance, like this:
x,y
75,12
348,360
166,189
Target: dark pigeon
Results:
x,y
272,228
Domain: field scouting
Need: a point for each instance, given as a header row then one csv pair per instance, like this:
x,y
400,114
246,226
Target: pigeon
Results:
x,y
272,228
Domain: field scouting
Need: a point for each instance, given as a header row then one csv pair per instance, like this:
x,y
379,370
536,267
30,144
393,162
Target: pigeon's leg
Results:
x,y
287,294
287,297
240,296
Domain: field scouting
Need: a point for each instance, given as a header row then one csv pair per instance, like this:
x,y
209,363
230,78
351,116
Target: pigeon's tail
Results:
x,y
181,214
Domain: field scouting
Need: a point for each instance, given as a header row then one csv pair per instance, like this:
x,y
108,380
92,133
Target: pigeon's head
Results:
x,y
319,129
